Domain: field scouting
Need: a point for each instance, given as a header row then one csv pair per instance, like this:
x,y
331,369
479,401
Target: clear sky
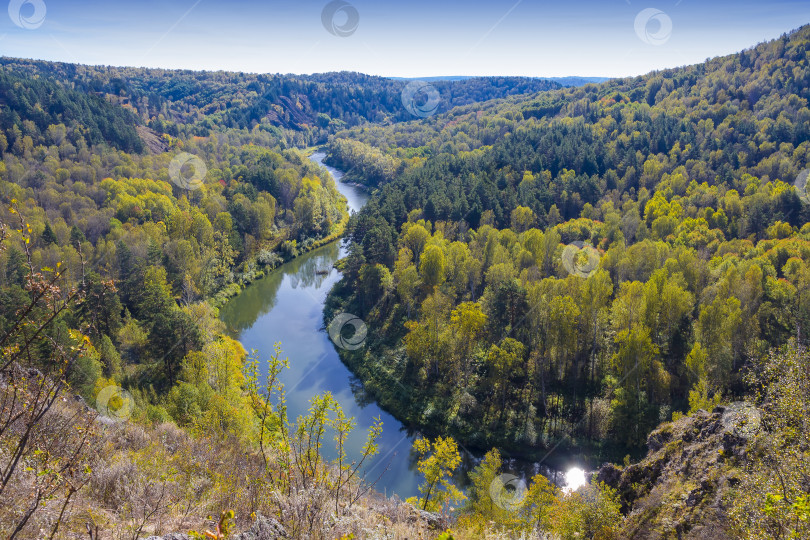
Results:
x,y
417,38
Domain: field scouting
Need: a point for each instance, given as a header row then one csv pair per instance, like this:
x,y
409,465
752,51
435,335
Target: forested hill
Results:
x,y
564,81
547,269
561,273
736,109
305,108
112,263
580,265
28,106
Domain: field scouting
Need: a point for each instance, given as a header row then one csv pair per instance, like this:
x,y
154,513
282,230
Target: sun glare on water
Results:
x,y
574,479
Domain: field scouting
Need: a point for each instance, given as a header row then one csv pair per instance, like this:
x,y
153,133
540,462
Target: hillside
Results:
x,y
563,81
302,108
568,270
28,107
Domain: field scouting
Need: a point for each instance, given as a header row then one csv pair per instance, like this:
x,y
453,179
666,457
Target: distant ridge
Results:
x,y
563,81
317,105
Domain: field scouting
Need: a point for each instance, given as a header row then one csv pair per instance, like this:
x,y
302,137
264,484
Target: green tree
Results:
x,y
415,239
437,461
506,308
102,308
641,380
48,236
522,219
503,363
110,358
536,505
375,281
718,328
591,512
407,286
172,335
432,267
467,322
76,236
153,296
479,500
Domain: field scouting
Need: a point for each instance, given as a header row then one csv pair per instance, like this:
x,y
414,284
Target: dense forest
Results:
x,y
578,266
134,204
31,107
114,257
594,268
299,110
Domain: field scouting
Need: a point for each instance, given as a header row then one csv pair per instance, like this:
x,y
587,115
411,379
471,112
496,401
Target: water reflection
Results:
x,y
287,306
575,478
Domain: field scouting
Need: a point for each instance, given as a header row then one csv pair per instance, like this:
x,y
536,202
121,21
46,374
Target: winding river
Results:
x,y
286,306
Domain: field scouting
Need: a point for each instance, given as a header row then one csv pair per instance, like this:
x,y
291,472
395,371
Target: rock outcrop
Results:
x,y
679,490
263,528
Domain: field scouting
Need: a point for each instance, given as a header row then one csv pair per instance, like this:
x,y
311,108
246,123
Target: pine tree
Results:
x,y
76,236
48,236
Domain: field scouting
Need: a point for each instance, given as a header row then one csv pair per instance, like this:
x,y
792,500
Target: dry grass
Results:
x,y
142,481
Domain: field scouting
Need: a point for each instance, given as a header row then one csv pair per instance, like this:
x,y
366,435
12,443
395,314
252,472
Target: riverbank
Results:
x,y
379,366
258,270
246,279
286,306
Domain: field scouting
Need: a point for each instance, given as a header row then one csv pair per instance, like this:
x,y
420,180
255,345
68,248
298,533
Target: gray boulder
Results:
x,y
263,529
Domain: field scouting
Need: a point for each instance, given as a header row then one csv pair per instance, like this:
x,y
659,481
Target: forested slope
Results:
x,y
582,264
28,107
303,109
112,262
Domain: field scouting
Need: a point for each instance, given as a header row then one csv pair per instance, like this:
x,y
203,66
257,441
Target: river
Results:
x,y
286,306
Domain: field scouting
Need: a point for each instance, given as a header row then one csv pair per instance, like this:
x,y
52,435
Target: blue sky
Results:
x,y
416,38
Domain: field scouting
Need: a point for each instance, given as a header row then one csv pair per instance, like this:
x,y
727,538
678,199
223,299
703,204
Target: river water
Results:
x,y
286,306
